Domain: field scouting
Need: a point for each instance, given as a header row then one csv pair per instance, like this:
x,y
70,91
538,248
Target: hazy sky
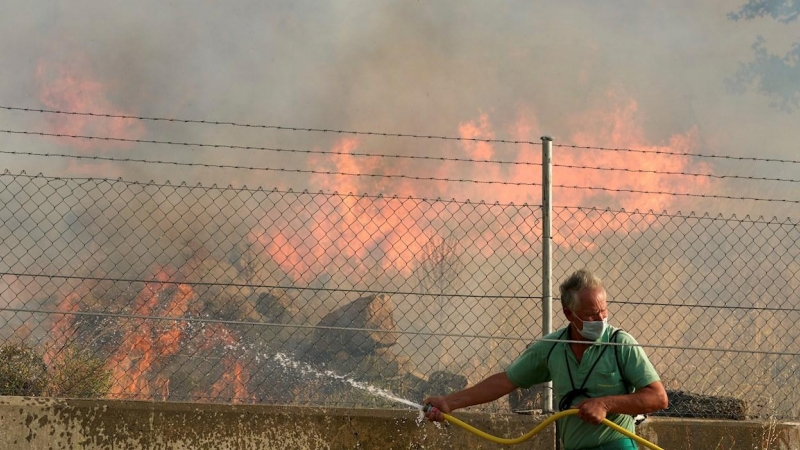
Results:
x,y
678,75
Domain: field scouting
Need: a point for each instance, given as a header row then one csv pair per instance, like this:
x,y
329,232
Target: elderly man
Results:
x,y
611,382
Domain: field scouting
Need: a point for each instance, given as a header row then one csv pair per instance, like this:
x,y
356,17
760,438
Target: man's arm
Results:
x,y
488,390
645,400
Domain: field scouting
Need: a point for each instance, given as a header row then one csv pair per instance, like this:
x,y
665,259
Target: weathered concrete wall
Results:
x,y
35,423
31,423
695,434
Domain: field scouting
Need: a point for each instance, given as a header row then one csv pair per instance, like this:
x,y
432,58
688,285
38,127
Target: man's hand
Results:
x,y
488,390
592,410
647,399
440,406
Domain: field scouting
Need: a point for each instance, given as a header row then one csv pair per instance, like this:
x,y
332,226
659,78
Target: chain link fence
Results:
x,y
190,293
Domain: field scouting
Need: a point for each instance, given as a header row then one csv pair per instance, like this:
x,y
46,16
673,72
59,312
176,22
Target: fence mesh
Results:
x,y
190,293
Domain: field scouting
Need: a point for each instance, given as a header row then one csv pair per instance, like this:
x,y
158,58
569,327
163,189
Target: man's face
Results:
x,y
591,307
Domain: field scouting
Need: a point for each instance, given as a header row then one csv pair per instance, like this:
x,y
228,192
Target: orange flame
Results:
x,y
635,186
232,384
69,89
363,230
146,340
371,232
479,129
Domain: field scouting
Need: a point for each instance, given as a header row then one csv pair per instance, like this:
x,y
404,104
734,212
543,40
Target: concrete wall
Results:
x,y
693,434
36,423
31,423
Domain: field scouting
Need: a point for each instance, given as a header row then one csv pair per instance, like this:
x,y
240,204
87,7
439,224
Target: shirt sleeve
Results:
x,y
531,366
636,367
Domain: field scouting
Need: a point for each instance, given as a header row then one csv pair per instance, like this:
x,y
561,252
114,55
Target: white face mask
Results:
x,y
592,329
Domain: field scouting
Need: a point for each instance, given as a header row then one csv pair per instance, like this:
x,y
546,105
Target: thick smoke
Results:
x,y
521,69
621,75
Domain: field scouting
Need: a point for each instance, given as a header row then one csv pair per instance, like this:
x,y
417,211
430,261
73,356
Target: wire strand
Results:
x,y
369,291
691,174
268,149
254,286
183,185
668,153
268,169
271,127
530,339
787,221
380,155
384,134
409,177
677,194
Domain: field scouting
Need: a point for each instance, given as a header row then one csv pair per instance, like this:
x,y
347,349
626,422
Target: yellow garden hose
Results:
x,y
541,426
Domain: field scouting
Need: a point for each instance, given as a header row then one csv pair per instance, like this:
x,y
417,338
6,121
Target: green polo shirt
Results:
x,y
534,366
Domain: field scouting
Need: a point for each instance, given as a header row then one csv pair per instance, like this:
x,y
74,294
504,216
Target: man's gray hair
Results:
x,y
577,282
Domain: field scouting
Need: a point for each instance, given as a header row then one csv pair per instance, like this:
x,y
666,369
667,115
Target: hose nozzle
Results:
x,y
427,407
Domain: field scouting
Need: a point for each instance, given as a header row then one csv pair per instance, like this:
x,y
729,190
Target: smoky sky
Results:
x,y
563,69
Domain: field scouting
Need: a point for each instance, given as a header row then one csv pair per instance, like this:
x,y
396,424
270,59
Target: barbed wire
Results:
x,y
787,221
271,127
268,149
268,169
668,153
184,185
676,194
380,155
692,215
385,134
410,177
692,174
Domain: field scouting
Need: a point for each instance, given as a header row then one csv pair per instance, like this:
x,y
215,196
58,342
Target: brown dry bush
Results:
x,y
76,373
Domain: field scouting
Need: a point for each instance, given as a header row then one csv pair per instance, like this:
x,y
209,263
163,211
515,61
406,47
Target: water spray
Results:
x,y
305,368
286,361
538,428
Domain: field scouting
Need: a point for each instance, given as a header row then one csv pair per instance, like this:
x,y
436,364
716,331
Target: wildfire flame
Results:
x,y
137,364
356,229
345,228
233,383
73,88
145,340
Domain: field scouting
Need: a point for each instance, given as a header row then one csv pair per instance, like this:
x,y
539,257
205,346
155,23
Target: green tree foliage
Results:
x,y
776,76
783,11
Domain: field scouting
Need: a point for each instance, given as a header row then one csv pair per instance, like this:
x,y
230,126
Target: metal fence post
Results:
x,y
547,253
